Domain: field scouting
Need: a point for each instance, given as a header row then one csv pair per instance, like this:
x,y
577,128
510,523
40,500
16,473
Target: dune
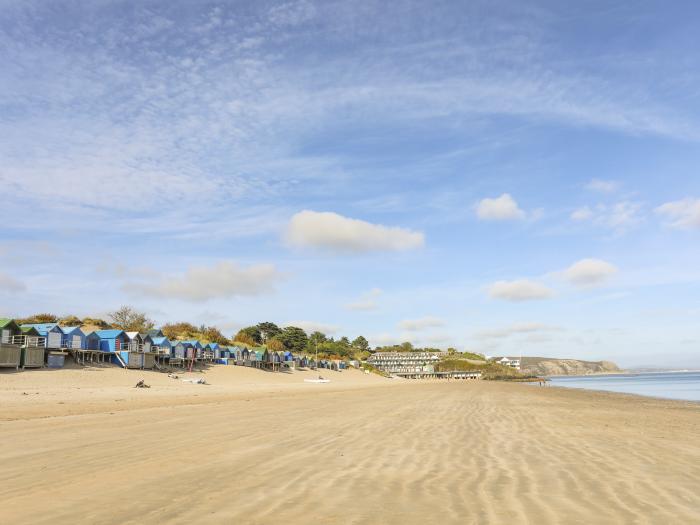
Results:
x,y
84,446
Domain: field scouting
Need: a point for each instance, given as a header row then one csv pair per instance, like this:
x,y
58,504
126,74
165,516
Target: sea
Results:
x,y
668,385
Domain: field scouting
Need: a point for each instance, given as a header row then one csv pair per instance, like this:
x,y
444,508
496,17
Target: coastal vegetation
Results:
x,y
280,339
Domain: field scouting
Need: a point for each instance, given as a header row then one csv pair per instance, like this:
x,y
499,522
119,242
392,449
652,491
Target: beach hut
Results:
x,y
155,333
135,341
113,342
179,349
8,330
10,348
196,347
149,356
51,331
33,350
108,341
73,337
161,346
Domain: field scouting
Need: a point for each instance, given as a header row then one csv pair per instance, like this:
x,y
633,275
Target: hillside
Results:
x,y
566,367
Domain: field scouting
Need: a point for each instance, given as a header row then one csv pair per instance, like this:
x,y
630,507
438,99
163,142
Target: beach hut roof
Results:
x,y
160,340
108,334
132,335
4,321
155,333
68,330
44,328
29,330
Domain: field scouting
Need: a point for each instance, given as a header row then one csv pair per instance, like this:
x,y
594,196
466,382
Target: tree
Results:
x,y
316,338
181,330
212,334
268,331
276,345
130,320
93,321
344,341
70,320
244,338
361,344
38,319
251,333
294,338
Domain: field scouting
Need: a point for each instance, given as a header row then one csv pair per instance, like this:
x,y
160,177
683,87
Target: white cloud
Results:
x,y
603,186
417,325
334,232
683,214
515,329
201,283
312,326
582,214
10,284
519,290
589,272
503,208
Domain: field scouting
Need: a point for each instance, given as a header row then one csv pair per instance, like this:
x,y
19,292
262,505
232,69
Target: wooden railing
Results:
x,y
28,340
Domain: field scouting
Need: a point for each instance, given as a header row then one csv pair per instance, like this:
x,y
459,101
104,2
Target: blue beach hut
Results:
x,y
51,331
162,346
73,337
108,341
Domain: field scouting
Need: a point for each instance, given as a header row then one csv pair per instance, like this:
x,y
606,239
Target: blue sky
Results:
x,y
495,176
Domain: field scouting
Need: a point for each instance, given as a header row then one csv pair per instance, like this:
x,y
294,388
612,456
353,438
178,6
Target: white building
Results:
x,y
404,362
507,361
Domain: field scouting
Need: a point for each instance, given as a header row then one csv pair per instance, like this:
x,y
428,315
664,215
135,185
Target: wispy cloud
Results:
x,y
515,329
367,301
420,324
201,283
11,284
682,214
313,326
603,186
519,290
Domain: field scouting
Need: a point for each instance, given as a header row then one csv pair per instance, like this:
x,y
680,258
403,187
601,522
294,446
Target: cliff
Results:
x,y
546,366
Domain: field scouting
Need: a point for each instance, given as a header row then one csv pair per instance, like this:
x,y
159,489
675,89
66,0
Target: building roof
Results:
x,y
68,330
29,330
44,328
4,321
132,335
108,334
155,332
160,340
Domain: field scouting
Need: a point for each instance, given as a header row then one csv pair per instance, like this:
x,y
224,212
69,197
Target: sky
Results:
x,y
501,177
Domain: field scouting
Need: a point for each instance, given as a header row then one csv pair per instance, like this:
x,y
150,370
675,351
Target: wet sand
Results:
x,y
256,447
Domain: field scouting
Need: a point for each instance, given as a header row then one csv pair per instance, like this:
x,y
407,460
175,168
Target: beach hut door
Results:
x,y
5,336
76,342
54,340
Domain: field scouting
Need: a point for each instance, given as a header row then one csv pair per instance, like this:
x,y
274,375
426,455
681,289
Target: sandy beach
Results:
x,y
84,446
